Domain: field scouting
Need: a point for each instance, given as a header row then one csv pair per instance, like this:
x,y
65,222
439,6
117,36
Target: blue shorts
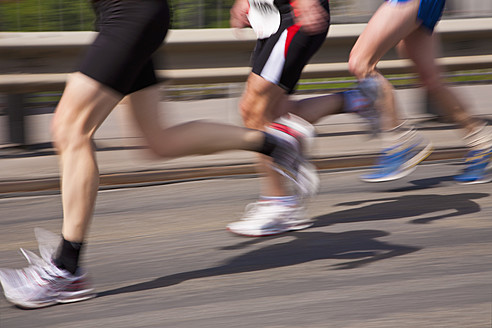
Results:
x,y
430,11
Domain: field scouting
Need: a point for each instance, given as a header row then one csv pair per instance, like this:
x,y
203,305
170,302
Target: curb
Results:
x,y
115,180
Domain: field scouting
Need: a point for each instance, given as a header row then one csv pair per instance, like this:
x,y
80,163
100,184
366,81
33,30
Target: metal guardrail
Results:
x,y
40,61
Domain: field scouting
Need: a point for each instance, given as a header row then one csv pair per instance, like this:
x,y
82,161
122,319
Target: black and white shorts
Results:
x,y
130,31
281,57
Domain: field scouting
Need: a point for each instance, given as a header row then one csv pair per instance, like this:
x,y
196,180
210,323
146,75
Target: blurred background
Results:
x,y
76,15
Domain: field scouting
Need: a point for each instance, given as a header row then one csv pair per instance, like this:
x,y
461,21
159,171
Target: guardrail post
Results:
x,y
15,113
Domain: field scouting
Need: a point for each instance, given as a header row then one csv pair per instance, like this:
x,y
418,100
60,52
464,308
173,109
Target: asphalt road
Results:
x,y
411,253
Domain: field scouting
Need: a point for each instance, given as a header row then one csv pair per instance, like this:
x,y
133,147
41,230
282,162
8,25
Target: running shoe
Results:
x,y
477,163
42,283
266,218
401,159
356,102
371,88
294,137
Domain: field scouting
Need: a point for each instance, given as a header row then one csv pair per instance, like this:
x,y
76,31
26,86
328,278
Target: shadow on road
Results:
x,y
425,183
431,207
428,183
357,247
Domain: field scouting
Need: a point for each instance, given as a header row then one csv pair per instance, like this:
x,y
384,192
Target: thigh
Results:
x,y
83,107
421,48
130,32
389,25
144,107
262,102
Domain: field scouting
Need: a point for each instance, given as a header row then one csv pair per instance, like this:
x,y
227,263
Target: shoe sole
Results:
x,y
474,182
27,305
478,181
409,167
487,177
273,233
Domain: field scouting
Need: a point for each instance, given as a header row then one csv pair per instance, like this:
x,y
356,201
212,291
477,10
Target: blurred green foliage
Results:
x,y
77,15
46,15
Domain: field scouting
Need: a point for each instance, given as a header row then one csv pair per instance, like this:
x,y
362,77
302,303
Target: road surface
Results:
x,y
411,253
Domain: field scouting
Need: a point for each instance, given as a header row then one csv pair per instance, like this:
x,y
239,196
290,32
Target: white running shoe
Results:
x,y
266,218
295,136
42,283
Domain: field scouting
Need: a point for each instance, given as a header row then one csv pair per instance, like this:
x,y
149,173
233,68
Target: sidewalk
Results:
x,y
341,142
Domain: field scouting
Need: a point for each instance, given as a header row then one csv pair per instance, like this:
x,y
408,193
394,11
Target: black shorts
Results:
x,y
130,31
281,58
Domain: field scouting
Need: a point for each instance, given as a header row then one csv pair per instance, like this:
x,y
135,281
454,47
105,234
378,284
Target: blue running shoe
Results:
x,y
477,162
400,160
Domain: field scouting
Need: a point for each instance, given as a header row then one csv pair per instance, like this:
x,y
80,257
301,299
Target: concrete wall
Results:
x,y
469,8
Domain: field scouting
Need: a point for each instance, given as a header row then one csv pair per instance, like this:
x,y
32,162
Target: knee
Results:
x,y
357,66
252,113
67,136
245,109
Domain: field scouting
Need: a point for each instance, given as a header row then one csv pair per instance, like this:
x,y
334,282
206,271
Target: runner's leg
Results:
x,y
191,138
420,47
85,104
403,147
385,29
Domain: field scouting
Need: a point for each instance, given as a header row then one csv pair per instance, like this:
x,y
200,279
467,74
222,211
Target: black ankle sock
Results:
x,y
68,256
268,145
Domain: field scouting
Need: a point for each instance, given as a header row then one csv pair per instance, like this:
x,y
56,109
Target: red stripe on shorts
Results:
x,y
291,32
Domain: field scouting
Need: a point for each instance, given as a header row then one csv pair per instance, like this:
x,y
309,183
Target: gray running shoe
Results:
x,y
295,137
43,284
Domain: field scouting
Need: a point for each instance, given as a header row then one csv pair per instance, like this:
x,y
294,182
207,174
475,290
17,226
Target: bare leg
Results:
x,y
387,27
262,102
193,138
404,147
420,47
83,107
314,108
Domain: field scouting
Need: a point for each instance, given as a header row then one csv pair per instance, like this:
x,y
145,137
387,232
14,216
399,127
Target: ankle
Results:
x,y
68,256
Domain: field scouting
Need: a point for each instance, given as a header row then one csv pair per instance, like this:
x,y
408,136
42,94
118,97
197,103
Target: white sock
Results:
x,y
397,135
285,200
479,139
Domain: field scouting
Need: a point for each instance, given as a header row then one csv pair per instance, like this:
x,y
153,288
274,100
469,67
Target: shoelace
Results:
x,y
258,211
42,275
